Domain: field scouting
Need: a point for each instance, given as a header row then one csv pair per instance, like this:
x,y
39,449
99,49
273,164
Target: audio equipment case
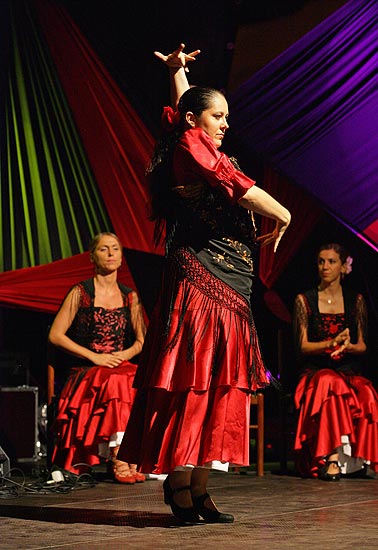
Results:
x,y
19,423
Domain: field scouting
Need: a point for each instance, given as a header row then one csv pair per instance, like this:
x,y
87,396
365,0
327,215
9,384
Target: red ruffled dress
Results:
x,y
95,402
201,357
333,399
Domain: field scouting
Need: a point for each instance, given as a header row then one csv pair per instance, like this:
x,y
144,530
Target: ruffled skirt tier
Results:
x,y
332,404
94,404
200,361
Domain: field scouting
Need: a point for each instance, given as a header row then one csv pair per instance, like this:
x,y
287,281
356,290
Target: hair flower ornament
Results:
x,y
348,265
170,119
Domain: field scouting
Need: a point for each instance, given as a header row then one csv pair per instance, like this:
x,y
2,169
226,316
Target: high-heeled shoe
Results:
x,y
209,515
324,475
186,515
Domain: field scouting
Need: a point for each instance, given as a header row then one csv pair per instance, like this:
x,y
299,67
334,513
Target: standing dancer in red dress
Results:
x,y
201,357
337,428
100,325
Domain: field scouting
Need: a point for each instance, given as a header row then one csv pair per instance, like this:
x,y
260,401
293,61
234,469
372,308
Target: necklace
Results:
x,y
329,300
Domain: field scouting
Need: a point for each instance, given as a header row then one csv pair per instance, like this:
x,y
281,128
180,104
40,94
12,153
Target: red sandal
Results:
x,y
121,470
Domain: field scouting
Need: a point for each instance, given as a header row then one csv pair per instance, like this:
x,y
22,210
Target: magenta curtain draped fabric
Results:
x,y
117,143
305,213
312,114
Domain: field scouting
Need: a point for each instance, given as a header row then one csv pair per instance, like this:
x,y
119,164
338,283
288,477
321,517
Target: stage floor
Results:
x,y
272,512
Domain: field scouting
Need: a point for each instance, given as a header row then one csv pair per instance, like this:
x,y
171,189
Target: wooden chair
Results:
x,y
257,400
50,373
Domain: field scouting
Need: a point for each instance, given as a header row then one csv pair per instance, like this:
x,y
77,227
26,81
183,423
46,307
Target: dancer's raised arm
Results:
x,y
177,62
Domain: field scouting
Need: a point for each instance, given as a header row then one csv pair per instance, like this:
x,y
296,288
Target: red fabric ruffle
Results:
x,y
332,404
94,404
194,376
191,427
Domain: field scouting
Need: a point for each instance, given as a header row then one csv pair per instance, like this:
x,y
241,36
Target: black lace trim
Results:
x,y
184,266
209,285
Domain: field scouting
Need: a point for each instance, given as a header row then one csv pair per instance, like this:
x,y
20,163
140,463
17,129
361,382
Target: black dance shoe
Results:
x,y
186,515
325,476
210,516
362,473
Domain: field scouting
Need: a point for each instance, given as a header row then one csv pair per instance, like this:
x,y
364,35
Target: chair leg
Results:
x,y
260,435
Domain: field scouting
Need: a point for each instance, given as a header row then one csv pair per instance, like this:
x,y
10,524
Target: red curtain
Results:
x,y
117,143
118,146
304,215
43,288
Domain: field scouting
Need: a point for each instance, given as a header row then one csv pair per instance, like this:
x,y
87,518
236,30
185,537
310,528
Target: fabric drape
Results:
x,y
305,213
312,114
116,141
42,288
73,154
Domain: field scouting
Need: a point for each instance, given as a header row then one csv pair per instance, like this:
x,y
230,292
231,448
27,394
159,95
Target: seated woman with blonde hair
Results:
x,y
101,329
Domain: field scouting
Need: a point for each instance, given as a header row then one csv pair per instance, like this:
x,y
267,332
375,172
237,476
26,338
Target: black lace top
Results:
x,y
102,330
325,326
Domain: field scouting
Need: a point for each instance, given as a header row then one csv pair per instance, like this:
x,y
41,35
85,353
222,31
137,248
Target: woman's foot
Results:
x,y
331,470
121,470
206,508
180,501
202,501
139,478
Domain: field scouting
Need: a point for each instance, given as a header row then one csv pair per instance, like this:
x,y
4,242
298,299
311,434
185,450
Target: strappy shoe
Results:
x,y
139,478
186,515
325,476
208,514
120,470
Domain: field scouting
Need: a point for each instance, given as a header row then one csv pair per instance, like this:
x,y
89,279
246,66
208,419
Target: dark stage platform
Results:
x,y
271,512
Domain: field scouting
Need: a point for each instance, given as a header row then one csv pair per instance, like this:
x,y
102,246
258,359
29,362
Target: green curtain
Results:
x,y
50,203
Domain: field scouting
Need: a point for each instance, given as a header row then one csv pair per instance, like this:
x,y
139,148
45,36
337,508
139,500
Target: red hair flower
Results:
x,y
170,119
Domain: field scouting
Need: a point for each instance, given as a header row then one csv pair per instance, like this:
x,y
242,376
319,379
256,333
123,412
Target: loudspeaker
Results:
x,y
19,423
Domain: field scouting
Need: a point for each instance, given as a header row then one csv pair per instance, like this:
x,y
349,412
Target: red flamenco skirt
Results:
x,y
94,404
366,424
194,379
330,406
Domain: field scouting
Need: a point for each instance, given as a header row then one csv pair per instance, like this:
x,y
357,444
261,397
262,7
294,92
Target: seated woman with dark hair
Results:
x,y
337,429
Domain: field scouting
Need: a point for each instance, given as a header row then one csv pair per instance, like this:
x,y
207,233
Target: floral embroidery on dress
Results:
x,y
241,250
99,329
225,259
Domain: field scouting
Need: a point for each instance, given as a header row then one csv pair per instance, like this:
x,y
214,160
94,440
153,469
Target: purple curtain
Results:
x,y
312,113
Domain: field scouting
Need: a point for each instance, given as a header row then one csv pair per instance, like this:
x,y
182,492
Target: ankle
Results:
x,y
113,452
177,480
333,456
198,490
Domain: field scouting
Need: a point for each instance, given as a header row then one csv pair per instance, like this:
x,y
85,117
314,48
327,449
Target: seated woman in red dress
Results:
x,y
337,430
100,327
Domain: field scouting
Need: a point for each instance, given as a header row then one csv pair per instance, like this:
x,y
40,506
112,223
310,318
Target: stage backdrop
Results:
x,y
312,115
73,151
73,158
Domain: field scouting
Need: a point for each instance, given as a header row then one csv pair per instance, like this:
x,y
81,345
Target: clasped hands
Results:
x,y
340,342
110,360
